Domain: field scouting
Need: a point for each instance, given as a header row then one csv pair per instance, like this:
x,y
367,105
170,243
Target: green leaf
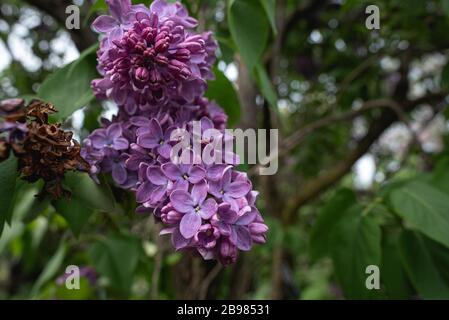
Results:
x,y
37,207
223,92
8,175
424,208
328,217
116,258
227,49
99,5
355,245
393,274
88,192
270,10
69,88
420,264
265,85
50,270
249,28
74,212
440,175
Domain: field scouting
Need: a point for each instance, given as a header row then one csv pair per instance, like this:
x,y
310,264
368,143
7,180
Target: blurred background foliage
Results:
x,y
363,176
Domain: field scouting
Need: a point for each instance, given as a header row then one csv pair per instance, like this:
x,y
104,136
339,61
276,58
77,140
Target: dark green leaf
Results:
x,y
227,48
116,258
440,175
87,191
223,92
99,5
424,208
270,10
328,217
50,270
393,274
265,85
249,28
421,266
75,212
355,246
69,88
8,175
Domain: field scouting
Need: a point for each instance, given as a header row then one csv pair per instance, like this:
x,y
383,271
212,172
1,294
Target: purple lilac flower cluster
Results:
x,y
155,68
151,55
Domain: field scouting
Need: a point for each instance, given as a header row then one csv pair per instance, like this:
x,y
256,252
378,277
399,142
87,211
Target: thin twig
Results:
x,y
208,280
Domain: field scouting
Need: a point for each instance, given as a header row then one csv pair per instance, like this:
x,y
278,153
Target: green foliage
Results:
x,y
8,169
249,28
51,269
75,212
424,208
87,191
355,245
426,263
270,10
223,92
116,258
99,5
328,217
265,85
69,87
393,274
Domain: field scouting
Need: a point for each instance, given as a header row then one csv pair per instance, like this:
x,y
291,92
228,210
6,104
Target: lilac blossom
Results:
x,y
150,56
229,190
155,67
110,137
152,137
195,207
184,172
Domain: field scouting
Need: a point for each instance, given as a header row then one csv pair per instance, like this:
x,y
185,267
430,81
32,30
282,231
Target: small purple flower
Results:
x,y
153,137
235,225
110,137
139,155
115,163
258,232
229,190
207,236
228,252
195,207
177,239
184,172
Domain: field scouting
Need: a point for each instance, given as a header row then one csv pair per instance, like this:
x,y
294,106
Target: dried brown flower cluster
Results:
x,y
44,150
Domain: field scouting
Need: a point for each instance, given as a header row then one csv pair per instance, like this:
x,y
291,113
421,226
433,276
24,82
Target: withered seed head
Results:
x,y
46,152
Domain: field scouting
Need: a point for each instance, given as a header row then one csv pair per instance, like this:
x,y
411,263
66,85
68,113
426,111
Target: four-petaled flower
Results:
x,y
110,137
195,207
